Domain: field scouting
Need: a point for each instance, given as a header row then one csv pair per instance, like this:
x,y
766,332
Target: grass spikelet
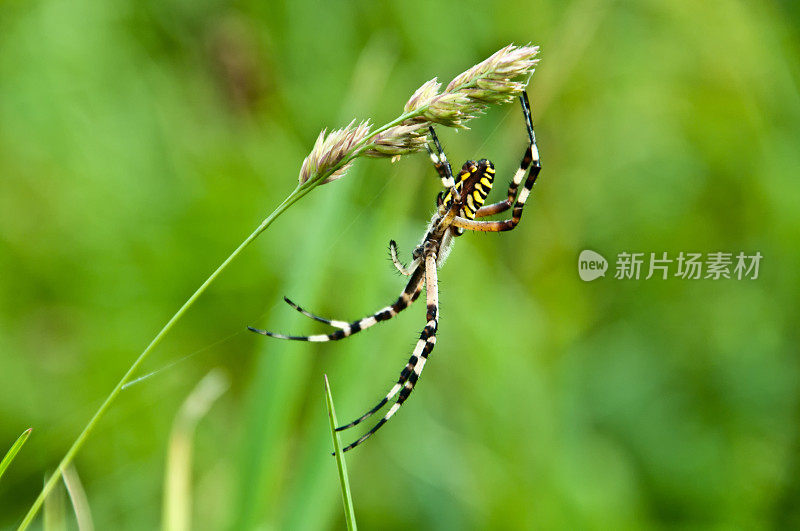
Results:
x,y
423,96
329,151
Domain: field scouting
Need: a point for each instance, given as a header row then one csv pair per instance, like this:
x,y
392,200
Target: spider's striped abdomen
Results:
x,y
474,182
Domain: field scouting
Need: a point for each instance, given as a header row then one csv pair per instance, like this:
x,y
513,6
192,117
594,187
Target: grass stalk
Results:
x,y
347,499
77,495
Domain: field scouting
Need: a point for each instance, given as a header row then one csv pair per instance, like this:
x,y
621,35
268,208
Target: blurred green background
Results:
x,y
140,142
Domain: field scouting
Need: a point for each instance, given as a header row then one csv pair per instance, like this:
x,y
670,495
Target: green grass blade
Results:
x,y
347,499
77,495
12,452
177,507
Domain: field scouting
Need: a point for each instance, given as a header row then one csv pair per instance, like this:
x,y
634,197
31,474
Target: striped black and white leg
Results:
x,y
413,369
531,154
440,161
445,172
346,329
532,164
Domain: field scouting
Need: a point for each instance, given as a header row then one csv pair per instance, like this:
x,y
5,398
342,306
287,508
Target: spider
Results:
x,y
458,206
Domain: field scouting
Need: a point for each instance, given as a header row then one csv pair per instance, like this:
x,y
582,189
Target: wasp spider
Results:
x,y
458,207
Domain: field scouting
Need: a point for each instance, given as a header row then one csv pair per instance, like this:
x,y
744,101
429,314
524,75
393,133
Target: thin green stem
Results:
x,y
298,192
344,481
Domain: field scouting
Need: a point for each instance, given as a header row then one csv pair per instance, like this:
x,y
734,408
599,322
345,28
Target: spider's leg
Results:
x,y
332,322
531,163
440,161
397,263
404,375
412,370
531,155
409,295
385,400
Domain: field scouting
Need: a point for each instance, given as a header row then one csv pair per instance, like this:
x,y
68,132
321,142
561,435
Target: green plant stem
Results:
x,y
298,193
344,481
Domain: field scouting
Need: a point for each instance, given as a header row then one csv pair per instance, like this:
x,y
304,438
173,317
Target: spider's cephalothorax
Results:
x,y
459,206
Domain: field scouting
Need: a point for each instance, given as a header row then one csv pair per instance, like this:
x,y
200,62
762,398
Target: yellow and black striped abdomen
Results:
x,y
474,182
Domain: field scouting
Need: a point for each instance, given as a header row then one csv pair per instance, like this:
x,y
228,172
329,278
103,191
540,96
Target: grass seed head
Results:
x,y
329,150
502,67
493,81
